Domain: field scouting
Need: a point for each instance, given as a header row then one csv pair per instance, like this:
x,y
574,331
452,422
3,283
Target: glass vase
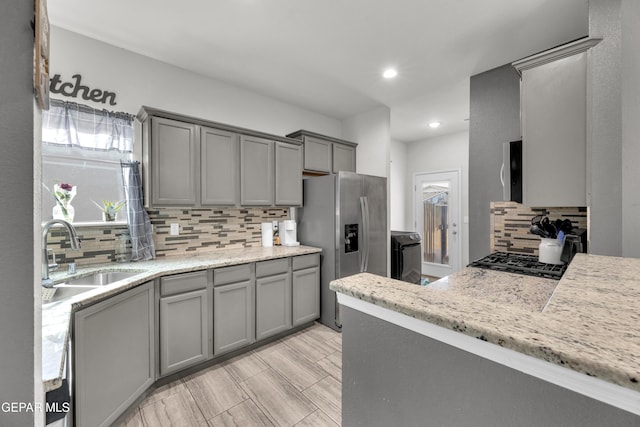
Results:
x,y
65,211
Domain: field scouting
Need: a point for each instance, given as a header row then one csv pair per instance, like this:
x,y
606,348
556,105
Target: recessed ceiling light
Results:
x,y
389,73
434,125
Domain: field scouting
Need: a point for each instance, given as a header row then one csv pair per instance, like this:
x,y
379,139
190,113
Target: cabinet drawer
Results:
x,y
233,274
269,268
306,261
185,282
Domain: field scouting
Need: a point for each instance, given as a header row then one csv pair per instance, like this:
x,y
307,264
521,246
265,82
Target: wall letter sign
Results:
x,y
75,88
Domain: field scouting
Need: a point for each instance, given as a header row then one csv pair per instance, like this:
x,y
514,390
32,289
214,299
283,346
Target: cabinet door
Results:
x,y
344,158
317,155
184,330
173,162
233,316
220,175
288,174
273,305
113,345
256,171
554,133
306,295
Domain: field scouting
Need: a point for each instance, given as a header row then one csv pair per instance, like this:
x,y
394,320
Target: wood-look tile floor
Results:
x,y
295,381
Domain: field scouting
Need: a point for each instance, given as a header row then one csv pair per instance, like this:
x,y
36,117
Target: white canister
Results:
x,y
267,234
550,251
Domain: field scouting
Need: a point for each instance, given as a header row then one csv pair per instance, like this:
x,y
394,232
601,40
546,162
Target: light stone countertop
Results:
x,y
589,321
56,316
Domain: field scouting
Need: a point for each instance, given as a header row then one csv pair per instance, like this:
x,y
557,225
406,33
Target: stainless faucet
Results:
x,y
75,244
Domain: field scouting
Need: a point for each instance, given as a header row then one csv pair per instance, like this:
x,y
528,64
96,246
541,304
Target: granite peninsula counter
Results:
x,y
56,316
588,322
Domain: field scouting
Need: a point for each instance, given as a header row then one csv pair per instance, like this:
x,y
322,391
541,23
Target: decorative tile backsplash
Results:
x,y
99,245
200,230
210,229
510,223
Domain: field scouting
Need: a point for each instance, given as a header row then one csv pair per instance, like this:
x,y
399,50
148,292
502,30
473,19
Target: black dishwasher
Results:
x,y
406,256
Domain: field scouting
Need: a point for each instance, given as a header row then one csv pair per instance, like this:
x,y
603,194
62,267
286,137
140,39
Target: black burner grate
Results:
x,y
520,264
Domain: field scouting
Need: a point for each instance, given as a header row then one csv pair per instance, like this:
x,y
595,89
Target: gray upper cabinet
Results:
x,y
173,149
190,162
184,321
317,155
256,171
324,154
220,176
288,185
114,357
554,125
344,158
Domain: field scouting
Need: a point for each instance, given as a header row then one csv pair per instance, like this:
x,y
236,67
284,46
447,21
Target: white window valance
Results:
x,y
77,125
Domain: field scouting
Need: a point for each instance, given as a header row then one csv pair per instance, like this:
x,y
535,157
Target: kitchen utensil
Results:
x,y
539,224
538,231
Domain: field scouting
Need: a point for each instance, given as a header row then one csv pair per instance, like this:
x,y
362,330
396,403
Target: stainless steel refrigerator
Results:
x,y
345,215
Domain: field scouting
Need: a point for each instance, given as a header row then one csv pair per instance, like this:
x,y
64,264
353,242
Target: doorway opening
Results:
x,y
437,217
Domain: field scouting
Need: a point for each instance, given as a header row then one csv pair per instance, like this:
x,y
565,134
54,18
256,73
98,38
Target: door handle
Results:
x,y
367,233
364,211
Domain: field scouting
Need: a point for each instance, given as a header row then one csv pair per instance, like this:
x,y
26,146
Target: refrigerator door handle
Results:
x,y
364,208
364,233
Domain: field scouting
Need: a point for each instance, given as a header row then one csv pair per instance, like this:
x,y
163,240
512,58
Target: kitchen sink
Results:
x,y
101,279
80,285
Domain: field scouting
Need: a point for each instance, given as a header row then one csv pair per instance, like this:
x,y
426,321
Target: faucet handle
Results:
x,y
54,265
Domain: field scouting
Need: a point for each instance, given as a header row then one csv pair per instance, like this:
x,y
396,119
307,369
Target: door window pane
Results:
x,y
435,201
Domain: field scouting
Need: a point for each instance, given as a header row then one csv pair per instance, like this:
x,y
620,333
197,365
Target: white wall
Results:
x,y
139,80
447,152
371,130
398,183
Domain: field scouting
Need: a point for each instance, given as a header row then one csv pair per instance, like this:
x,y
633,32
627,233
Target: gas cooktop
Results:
x,y
520,264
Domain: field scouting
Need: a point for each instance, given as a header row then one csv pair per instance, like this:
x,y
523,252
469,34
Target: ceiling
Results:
x,y
328,55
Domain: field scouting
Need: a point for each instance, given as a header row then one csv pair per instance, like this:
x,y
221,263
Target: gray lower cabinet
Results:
x,y
184,321
233,316
233,307
305,285
288,190
184,331
273,297
256,171
220,175
173,152
113,355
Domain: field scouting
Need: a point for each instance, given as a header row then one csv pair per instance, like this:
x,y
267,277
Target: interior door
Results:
x,y
437,218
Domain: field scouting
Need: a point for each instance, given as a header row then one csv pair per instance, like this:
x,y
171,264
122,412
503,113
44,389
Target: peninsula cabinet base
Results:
x,y
394,376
